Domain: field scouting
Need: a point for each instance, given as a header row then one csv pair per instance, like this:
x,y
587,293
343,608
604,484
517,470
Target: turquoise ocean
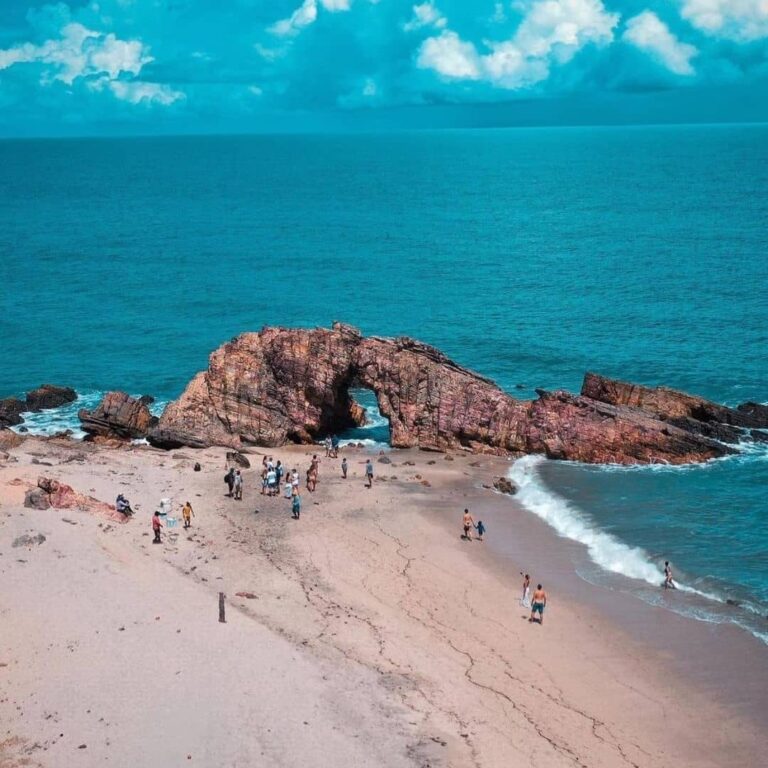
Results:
x,y
529,255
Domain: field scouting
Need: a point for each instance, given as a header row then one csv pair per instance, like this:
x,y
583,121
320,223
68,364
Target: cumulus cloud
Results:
x,y
98,58
649,33
425,15
450,57
305,15
740,20
551,31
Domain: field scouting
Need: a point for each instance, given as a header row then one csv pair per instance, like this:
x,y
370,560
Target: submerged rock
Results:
x,y
291,385
118,416
49,396
505,485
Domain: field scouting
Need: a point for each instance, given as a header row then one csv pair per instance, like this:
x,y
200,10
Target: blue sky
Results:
x,y
159,66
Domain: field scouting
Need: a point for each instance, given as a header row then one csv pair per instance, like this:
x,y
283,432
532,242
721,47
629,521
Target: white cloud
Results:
x,y
425,15
649,33
450,56
740,20
305,15
137,91
550,31
103,60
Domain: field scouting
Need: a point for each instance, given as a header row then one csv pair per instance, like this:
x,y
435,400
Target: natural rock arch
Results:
x,y
292,385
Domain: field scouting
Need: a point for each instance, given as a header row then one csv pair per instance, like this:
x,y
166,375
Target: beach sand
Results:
x,y
371,633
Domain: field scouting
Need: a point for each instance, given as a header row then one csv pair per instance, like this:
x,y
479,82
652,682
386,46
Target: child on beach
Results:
x,y
369,472
480,529
296,506
156,526
187,513
238,485
344,467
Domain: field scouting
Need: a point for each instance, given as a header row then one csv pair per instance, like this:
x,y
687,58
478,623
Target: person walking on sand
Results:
x,y
229,479
526,590
296,506
538,604
344,467
480,529
369,472
187,513
238,486
156,526
468,524
668,582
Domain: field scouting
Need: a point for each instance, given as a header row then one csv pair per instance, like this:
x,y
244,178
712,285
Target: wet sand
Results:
x,y
371,633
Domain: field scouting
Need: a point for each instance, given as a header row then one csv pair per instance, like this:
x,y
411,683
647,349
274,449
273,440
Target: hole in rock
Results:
x,y
375,430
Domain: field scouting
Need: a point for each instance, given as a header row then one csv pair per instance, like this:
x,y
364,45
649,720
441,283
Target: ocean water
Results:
x,y
530,255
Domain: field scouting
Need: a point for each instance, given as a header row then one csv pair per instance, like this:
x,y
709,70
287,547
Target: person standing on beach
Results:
x,y
279,471
187,513
296,506
328,446
538,604
238,485
469,524
668,582
480,529
344,467
229,479
156,526
526,590
369,472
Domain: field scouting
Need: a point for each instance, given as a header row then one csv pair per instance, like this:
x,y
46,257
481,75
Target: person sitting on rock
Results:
x,y
123,506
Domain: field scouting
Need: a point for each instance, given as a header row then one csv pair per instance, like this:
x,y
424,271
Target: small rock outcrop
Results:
x,y
290,385
9,439
49,396
118,416
11,409
235,457
52,493
505,485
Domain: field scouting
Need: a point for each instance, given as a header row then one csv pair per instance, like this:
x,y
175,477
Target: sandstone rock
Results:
x,y
235,457
37,498
286,385
11,409
384,460
118,415
505,485
9,439
61,496
49,396
670,404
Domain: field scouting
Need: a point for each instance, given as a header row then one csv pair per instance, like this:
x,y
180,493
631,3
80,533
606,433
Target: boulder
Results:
x,y
285,385
37,498
505,485
11,409
118,416
235,457
9,439
49,396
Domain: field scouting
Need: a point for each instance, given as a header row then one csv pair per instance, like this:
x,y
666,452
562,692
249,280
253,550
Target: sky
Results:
x,y
104,67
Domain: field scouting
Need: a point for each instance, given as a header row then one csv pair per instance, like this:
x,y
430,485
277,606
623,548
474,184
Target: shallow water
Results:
x,y
531,255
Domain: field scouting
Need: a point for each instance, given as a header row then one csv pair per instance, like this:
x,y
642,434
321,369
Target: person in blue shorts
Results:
x,y
538,603
296,506
480,529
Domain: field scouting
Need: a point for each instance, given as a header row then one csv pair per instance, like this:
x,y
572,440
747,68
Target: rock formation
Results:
x,y
51,493
49,396
286,385
11,409
118,416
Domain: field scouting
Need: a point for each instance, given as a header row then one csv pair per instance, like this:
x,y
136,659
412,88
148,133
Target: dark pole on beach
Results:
x,y
221,608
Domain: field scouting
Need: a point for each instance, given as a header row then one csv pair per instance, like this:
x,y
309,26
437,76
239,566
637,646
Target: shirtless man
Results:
x,y
538,604
469,524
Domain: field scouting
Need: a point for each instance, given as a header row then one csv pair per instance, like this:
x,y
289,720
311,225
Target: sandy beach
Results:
x,y
367,633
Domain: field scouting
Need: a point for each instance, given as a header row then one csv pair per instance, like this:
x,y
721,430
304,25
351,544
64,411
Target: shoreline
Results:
x,y
385,587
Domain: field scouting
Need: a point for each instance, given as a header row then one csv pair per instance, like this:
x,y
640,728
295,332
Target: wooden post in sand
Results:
x,y
221,608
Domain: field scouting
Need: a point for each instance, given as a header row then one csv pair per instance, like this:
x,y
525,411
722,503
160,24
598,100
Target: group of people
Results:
x,y
331,447
187,513
234,481
537,603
